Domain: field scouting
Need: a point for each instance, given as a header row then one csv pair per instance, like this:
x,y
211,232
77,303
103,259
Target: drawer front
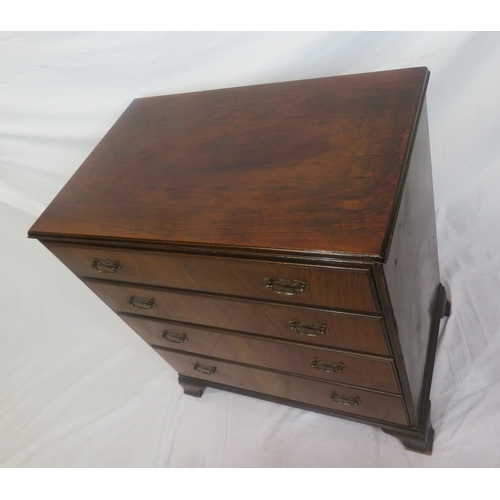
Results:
x,y
350,400
331,287
313,362
350,332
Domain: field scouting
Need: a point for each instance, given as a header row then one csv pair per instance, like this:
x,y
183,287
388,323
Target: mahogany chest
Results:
x,y
275,240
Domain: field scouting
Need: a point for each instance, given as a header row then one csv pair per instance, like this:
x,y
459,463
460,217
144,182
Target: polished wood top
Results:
x,y
313,165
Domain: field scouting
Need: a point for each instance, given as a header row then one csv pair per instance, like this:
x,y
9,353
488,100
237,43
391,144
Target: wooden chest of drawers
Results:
x,y
277,241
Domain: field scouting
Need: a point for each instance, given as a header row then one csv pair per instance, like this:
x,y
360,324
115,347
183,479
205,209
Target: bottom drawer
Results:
x,y
345,399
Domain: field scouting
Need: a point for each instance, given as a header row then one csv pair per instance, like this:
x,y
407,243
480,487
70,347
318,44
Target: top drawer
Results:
x,y
301,284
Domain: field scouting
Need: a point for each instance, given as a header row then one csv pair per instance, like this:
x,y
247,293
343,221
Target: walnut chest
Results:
x,y
276,240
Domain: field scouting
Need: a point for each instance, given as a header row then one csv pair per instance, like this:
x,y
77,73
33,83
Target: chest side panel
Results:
x,y
412,268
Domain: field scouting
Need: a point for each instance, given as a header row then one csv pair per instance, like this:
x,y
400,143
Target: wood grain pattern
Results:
x,y
361,371
310,165
345,331
196,201
328,286
371,404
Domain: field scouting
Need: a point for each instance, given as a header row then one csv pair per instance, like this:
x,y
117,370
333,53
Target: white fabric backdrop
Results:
x,y
79,388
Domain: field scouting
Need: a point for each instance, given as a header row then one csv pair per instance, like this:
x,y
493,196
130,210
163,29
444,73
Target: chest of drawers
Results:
x,y
276,241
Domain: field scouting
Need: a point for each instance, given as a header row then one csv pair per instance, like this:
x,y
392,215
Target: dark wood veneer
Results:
x,y
412,268
353,369
339,287
191,203
376,405
357,332
320,156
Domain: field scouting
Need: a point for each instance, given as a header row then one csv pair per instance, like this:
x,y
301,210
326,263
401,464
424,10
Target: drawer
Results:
x,y
319,327
372,373
322,286
355,401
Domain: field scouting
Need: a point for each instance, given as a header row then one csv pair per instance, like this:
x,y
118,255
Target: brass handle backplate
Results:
x,y
327,366
207,370
105,266
178,338
308,329
141,302
286,287
345,401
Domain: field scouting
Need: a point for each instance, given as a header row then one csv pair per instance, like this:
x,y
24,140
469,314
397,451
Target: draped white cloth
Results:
x,y
79,388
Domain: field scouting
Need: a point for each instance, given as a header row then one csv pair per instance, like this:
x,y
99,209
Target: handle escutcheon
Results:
x,y
206,370
308,329
345,401
286,287
327,366
141,302
177,338
105,266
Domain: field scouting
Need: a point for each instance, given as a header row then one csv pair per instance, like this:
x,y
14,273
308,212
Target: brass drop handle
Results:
x,y
177,338
308,329
286,287
345,401
206,370
141,302
105,266
327,366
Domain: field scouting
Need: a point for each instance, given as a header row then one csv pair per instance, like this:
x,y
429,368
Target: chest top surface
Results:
x,y
305,166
